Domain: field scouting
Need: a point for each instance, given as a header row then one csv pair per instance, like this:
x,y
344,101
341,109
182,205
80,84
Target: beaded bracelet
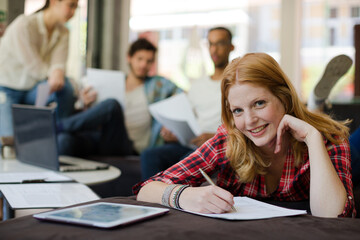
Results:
x,y
177,197
174,196
166,195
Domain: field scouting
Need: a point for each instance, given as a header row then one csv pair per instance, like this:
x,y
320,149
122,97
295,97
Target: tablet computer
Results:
x,y
102,214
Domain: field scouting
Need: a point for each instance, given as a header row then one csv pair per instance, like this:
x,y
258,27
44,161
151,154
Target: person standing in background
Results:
x,y
34,51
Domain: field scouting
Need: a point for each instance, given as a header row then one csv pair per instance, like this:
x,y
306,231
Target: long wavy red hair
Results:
x,y
262,70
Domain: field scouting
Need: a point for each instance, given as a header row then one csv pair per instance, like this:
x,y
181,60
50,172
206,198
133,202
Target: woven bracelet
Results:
x,y
166,195
178,193
174,196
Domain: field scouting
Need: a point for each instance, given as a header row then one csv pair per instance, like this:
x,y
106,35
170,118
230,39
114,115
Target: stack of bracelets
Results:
x,y
176,196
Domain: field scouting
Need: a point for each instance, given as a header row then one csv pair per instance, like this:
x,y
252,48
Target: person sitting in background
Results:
x,y
34,50
96,130
107,128
204,96
270,147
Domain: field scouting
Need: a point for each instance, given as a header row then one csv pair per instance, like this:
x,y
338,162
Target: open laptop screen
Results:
x,y
35,136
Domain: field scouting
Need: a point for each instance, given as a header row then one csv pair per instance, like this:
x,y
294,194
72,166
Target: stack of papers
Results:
x,y
48,195
107,84
28,177
42,94
175,113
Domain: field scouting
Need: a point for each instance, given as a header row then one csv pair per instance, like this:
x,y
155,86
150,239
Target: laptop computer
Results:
x,y
36,141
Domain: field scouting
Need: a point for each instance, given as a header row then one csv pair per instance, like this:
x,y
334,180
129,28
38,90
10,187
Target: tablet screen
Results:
x,y
102,214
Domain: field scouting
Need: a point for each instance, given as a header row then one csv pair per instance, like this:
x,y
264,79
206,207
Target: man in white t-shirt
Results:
x,y
205,98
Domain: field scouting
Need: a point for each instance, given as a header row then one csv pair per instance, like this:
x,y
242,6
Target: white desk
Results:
x,y
86,177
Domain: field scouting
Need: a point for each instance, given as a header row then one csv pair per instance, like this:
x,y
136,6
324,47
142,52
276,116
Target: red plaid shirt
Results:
x,y
294,183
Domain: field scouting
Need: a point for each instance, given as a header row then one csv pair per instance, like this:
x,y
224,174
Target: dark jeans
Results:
x,y
355,156
99,130
154,160
64,98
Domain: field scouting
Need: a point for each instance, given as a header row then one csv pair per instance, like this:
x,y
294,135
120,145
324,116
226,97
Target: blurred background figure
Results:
x,y
34,51
205,98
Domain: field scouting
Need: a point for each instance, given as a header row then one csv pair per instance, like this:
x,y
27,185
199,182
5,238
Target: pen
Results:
x,y
208,179
34,181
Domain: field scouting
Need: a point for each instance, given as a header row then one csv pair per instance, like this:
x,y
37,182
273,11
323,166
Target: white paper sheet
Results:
x,y
42,94
250,209
19,177
46,195
107,84
176,114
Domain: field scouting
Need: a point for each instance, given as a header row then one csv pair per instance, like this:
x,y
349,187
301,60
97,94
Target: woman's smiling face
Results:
x,y
256,112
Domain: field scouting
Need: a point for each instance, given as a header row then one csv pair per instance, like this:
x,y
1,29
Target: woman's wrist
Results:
x,y
171,195
178,194
166,197
313,136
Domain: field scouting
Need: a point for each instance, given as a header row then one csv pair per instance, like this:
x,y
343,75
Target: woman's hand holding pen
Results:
x,y
208,199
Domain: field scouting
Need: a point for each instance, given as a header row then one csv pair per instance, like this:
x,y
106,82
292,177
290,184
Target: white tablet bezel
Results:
x,y
120,221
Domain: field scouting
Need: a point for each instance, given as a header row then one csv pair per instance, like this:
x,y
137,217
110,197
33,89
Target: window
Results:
x,y
355,12
332,37
333,13
326,34
183,55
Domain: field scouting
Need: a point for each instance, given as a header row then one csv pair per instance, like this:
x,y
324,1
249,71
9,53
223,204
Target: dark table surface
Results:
x,y
180,225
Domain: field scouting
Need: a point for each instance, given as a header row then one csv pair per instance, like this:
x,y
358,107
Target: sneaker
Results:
x,y
7,147
334,70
